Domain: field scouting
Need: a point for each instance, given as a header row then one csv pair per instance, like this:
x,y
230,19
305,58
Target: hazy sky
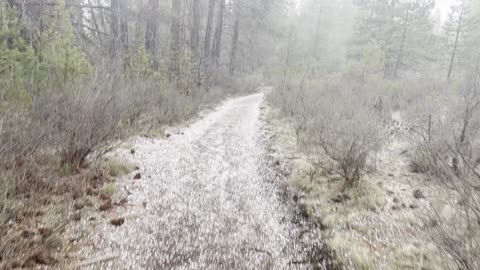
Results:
x,y
444,6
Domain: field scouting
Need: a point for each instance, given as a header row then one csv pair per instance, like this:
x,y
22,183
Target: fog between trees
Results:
x,y
76,74
358,77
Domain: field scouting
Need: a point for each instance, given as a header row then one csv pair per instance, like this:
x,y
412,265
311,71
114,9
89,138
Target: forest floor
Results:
x,y
386,222
204,196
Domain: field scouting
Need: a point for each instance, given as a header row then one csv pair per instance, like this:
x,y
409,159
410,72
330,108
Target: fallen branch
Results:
x,y
128,191
97,260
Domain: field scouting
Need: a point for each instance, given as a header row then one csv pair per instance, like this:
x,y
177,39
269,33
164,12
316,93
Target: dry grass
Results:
x,y
416,256
115,168
351,134
448,150
378,224
51,148
109,189
357,252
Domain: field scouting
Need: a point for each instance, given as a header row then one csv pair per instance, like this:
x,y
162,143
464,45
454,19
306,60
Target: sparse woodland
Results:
x,y
353,77
77,75
359,78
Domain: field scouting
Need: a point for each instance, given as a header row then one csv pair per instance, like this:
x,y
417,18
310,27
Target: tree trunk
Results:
x,y
476,74
217,40
402,46
175,26
151,32
76,17
195,34
96,30
287,60
119,28
234,48
317,30
195,42
208,32
455,45
103,21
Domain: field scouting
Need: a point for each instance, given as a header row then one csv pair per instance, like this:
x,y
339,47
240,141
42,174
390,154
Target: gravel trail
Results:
x,y
207,199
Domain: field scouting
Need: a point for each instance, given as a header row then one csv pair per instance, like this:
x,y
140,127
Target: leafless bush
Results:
x,y
419,162
340,120
348,133
44,147
450,153
22,183
459,238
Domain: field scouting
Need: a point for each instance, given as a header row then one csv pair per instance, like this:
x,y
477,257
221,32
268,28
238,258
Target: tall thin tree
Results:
x,y
208,32
195,30
217,39
458,31
175,28
119,28
151,32
233,51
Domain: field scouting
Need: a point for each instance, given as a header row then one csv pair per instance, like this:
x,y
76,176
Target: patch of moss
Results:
x,y
67,169
351,252
115,168
416,256
109,188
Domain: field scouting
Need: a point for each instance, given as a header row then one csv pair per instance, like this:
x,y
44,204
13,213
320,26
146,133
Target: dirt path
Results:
x,y
207,199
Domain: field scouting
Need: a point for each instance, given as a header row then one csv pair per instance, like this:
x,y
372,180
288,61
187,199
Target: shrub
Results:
x,y
348,133
420,161
341,120
47,147
450,154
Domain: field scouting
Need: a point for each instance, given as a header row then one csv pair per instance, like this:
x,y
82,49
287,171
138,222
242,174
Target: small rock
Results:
x,y
106,206
78,205
396,200
41,257
27,234
413,206
117,222
417,194
19,161
132,151
277,163
137,176
122,201
105,197
77,216
76,195
88,203
340,198
15,265
92,192
137,168
45,232
168,135
395,208
391,175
